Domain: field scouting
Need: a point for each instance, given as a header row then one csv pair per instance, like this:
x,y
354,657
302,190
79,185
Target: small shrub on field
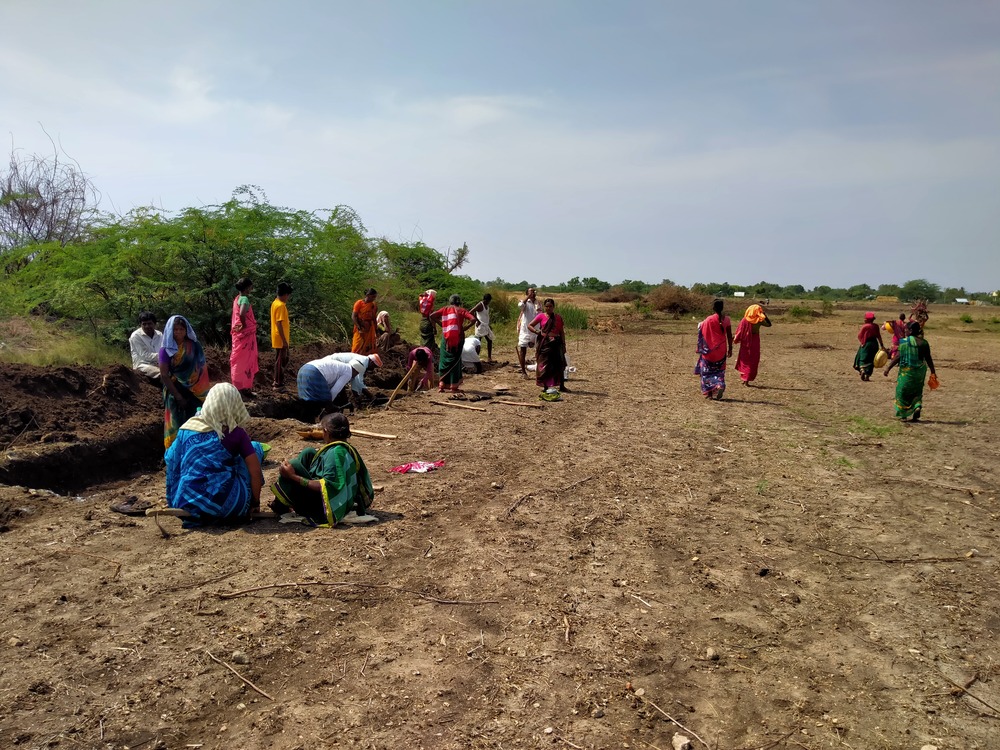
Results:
x,y
573,316
503,307
800,312
618,294
965,318
994,320
677,300
642,307
827,308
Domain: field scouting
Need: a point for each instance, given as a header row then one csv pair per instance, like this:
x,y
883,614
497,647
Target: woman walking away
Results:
x,y
898,329
243,360
550,352
715,344
364,314
748,337
184,375
213,468
871,343
325,484
914,359
454,320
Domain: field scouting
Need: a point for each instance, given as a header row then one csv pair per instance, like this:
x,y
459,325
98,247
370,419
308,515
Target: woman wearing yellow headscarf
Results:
x,y
748,337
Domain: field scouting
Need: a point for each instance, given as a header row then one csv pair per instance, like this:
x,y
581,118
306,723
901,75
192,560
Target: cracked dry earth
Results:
x,y
789,568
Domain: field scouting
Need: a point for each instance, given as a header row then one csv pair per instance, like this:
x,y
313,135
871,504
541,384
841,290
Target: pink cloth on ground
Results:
x,y
417,467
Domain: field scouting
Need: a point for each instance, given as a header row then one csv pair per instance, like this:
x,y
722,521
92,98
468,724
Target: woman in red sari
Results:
x,y
715,345
748,337
243,360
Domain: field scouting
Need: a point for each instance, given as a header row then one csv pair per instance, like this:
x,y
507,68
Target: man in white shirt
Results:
x,y
525,338
327,380
145,343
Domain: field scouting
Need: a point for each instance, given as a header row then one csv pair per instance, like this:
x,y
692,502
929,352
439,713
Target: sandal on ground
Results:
x,y
132,506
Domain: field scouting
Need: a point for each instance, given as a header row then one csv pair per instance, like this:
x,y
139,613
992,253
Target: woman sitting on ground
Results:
x,y
327,483
184,375
550,351
213,468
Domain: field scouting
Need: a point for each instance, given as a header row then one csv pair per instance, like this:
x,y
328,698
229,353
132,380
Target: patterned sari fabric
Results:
x,y
190,374
910,382
712,348
243,364
364,341
346,484
206,480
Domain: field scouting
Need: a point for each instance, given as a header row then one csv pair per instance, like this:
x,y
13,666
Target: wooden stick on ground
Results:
x,y
219,661
459,406
365,433
520,403
521,499
646,700
406,379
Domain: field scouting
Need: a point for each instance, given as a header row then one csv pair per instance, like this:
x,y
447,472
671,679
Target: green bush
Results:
x,y
573,316
800,312
965,318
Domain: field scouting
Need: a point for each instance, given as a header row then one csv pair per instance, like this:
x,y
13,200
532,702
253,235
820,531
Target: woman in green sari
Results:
x,y
914,359
325,484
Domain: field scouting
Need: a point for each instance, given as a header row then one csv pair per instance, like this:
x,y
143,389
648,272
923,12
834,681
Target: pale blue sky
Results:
x,y
836,142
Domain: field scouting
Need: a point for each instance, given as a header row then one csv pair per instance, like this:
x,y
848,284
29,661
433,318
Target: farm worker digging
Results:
x,y
366,360
326,380
422,377
327,483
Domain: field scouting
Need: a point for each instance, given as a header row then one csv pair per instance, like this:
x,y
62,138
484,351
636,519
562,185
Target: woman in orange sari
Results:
x,y
748,337
363,315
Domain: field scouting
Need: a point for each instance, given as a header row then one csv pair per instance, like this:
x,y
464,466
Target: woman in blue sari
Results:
x,y
213,468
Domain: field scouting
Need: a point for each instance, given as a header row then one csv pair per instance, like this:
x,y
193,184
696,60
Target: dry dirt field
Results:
x,y
788,568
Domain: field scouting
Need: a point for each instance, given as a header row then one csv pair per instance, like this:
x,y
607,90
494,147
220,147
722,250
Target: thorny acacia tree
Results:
x,y
43,199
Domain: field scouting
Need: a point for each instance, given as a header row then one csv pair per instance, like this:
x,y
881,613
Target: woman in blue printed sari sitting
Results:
x,y
213,468
327,483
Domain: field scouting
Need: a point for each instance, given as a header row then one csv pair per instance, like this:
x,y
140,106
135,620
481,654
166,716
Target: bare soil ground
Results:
x,y
788,568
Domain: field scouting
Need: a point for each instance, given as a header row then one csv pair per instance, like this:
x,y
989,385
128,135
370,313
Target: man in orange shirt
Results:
x,y
280,332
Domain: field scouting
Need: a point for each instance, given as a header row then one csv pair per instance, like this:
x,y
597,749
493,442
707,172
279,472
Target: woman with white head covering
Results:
x,y
184,375
213,468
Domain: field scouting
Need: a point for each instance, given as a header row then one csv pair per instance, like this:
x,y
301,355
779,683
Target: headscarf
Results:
x,y
869,316
222,411
376,359
169,343
382,319
755,314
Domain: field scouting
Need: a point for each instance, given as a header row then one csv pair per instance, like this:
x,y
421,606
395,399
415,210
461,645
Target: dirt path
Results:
x,y
841,568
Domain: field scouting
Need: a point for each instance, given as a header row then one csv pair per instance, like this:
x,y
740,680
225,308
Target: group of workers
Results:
x,y
910,352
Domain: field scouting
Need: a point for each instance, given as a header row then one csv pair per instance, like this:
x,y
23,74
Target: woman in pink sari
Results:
x,y
748,337
715,344
243,360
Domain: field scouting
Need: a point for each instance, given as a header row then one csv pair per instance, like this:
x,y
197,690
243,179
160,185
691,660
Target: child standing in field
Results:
x,y
280,332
